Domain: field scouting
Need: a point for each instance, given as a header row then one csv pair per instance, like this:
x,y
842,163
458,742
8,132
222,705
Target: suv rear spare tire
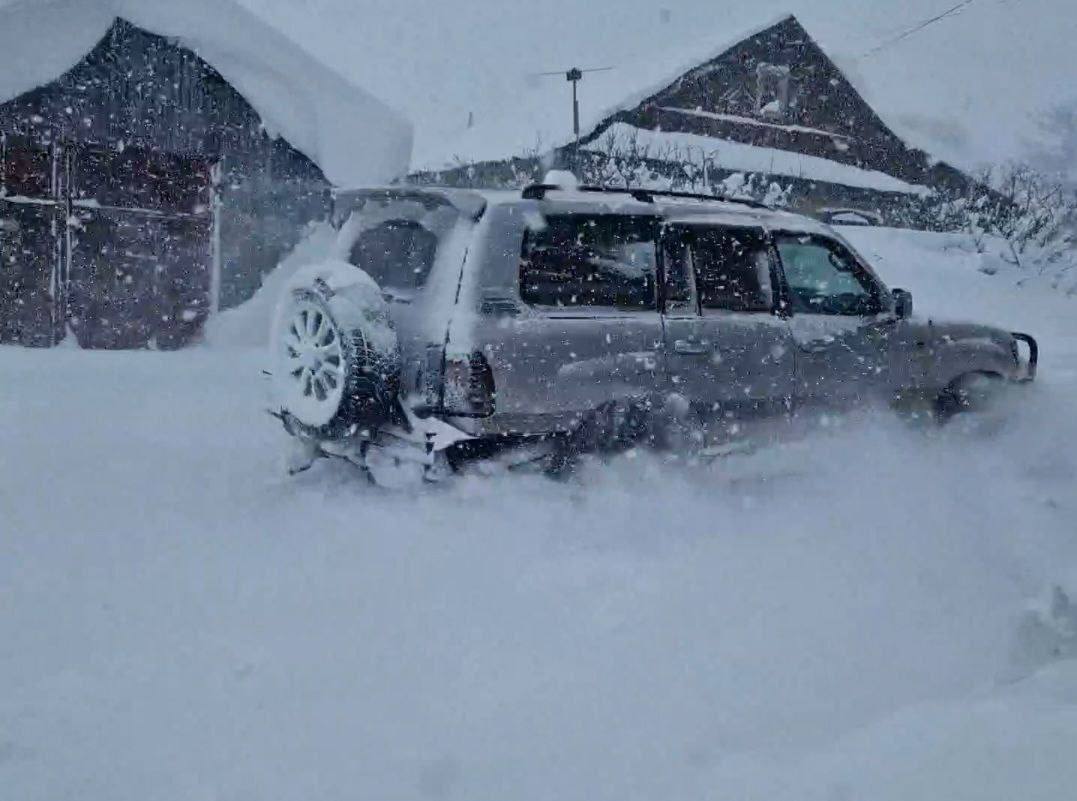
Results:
x,y
336,356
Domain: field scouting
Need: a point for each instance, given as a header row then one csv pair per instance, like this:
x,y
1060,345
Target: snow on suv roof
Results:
x,y
729,214
671,206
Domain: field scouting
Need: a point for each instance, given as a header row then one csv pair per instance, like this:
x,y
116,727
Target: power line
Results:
x,y
919,27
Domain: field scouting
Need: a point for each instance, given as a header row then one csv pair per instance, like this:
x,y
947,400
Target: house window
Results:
x,y
771,91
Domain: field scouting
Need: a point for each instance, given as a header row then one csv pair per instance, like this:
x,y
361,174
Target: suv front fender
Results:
x,y
1032,363
958,354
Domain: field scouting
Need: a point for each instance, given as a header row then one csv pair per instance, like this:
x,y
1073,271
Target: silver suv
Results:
x,y
454,323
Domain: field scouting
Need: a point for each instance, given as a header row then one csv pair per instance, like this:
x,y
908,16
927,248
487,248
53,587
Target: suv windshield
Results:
x,y
824,278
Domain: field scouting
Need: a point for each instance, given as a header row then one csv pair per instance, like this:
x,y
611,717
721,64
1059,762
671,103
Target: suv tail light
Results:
x,y
468,388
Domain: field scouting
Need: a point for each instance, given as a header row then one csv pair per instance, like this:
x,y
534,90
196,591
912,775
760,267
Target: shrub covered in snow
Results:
x,y
1034,214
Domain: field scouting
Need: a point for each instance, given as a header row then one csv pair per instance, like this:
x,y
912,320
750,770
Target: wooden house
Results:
x,y
141,188
771,108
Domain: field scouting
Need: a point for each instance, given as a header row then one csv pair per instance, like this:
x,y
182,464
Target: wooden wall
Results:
x,y
111,164
111,247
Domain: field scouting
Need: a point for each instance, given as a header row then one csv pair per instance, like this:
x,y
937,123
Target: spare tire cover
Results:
x,y
336,358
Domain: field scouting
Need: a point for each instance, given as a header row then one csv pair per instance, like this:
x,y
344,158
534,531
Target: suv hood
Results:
x,y
963,331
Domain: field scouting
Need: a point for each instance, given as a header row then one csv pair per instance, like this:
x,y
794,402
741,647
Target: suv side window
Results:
x,y
398,254
825,278
590,260
732,268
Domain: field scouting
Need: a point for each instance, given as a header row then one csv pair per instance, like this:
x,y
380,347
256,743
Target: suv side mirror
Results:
x,y
902,303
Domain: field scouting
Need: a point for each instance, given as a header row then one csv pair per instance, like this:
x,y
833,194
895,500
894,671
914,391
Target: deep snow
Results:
x,y
850,616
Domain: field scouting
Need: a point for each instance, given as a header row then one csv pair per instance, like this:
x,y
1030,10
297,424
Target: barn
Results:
x,y
768,108
157,159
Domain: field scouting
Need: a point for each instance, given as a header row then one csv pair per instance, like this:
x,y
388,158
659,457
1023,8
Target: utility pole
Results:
x,y
574,75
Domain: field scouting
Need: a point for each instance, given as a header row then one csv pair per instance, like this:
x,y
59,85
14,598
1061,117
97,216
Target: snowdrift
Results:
x,y
248,325
870,613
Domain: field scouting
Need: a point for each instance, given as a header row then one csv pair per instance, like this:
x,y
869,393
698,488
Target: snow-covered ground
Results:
x,y
866,614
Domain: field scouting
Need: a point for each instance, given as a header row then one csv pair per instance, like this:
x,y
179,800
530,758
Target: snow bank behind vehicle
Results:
x,y
366,306
249,324
895,251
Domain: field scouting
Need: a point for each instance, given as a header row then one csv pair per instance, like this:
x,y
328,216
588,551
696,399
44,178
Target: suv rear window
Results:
x,y
397,254
590,260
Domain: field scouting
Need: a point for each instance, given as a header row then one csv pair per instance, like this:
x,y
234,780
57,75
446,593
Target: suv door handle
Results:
x,y
690,347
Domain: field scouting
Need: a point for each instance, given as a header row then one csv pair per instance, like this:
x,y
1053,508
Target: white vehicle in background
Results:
x,y
558,320
841,216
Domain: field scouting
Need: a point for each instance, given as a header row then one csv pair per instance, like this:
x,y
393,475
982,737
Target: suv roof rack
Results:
x,y
538,192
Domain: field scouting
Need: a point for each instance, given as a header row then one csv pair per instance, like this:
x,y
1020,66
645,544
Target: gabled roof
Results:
x,y
352,136
970,89
523,129
786,39
664,79
703,110
826,132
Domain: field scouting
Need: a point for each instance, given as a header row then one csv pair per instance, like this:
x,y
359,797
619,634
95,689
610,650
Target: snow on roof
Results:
x,y
740,157
539,127
354,137
971,88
